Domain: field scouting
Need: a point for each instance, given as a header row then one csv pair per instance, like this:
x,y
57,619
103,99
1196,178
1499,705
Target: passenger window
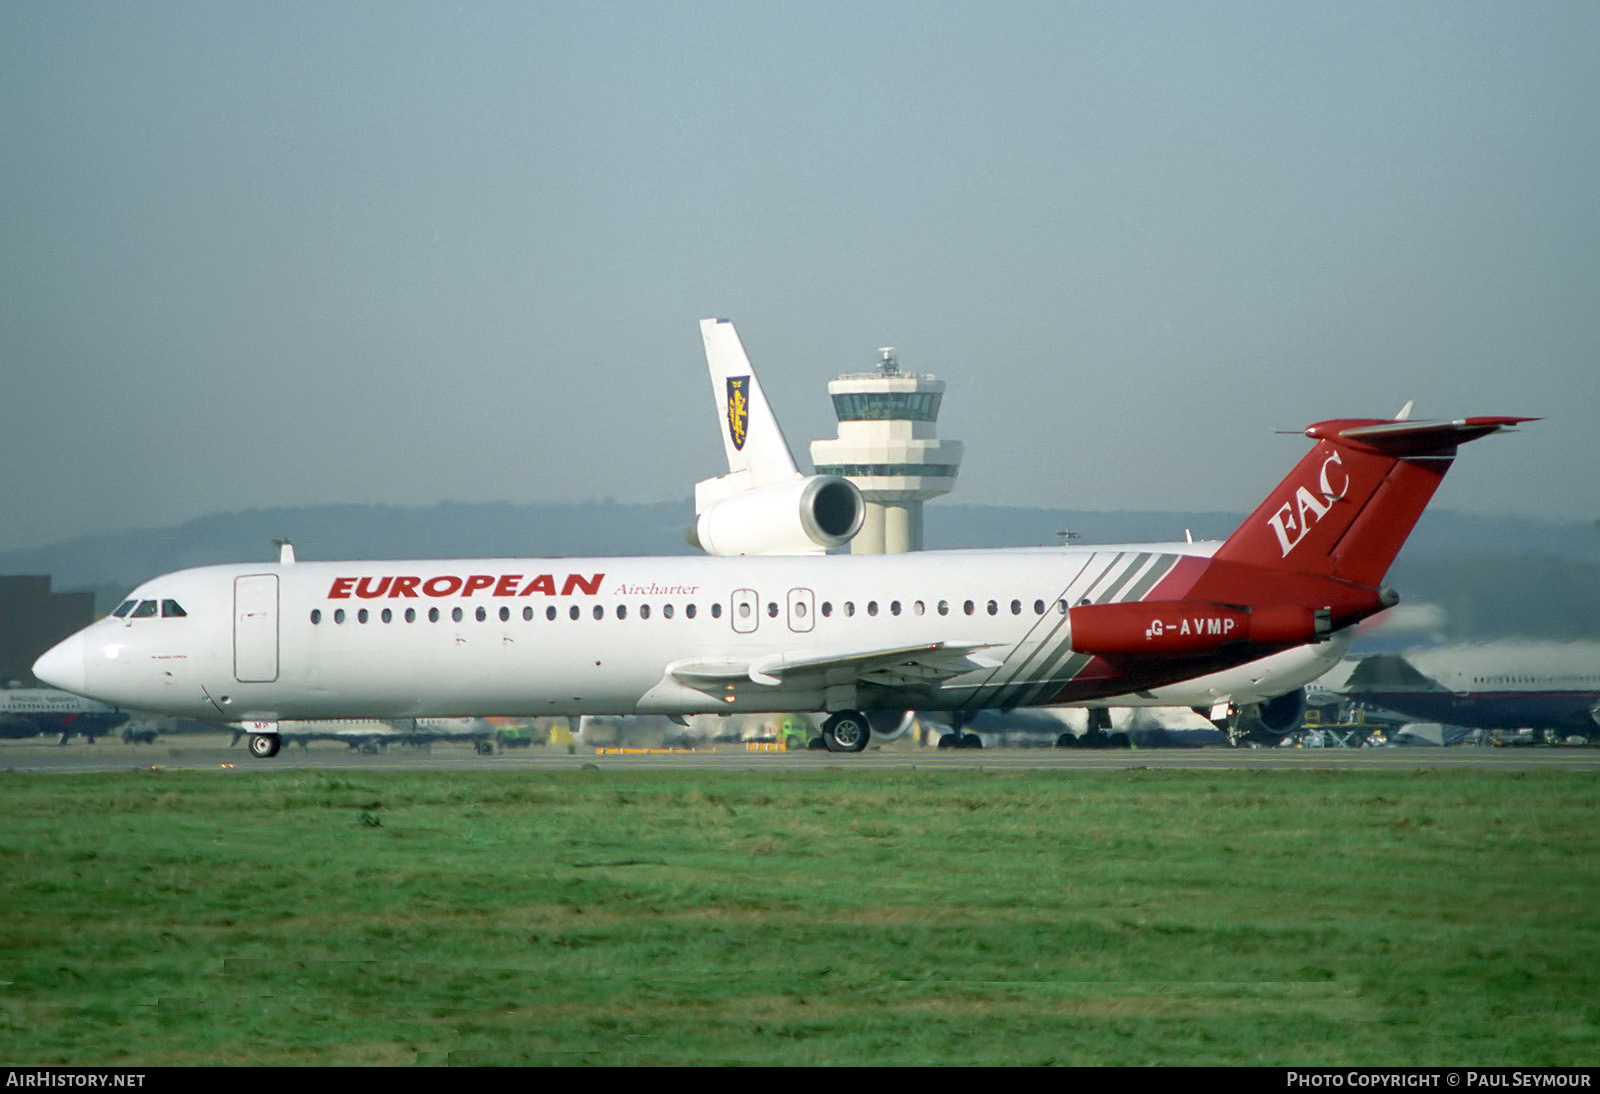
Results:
x,y
916,608
944,607
455,615
599,612
481,614
849,607
527,614
716,610
894,607
872,607
388,616
1016,607
772,609
688,610
666,610
124,608
411,615
171,610
505,615
622,611
433,615
550,612
145,609
994,608
966,606
827,607
316,616
644,611
338,616
574,612
361,616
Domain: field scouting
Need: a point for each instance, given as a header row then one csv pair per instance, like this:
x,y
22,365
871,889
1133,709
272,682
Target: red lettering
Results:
x,y
476,582
544,583
591,586
405,586
441,586
367,593
341,588
507,585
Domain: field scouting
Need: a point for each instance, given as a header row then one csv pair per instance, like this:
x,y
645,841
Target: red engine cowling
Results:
x,y
1189,628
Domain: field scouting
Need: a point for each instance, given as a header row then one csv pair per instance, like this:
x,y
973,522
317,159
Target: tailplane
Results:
x,y
1347,507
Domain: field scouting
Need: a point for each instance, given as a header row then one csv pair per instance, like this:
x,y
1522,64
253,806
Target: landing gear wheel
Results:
x,y
264,745
846,731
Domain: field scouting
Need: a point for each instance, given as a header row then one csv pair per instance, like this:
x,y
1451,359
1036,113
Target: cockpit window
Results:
x,y
146,608
124,608
171,608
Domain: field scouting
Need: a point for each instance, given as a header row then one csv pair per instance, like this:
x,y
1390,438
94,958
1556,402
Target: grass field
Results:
x,y
819,917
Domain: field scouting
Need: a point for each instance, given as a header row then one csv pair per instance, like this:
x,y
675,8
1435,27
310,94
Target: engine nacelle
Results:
x,y
1190,628
802,516
1271,719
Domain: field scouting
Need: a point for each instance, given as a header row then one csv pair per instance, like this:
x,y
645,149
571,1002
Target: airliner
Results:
x,y
1495,685
252,645
28,712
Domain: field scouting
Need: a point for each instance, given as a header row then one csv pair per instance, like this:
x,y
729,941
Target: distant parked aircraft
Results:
x,y
1493,685
28,712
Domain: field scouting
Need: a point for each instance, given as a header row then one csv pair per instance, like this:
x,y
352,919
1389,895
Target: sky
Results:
x,y
258,255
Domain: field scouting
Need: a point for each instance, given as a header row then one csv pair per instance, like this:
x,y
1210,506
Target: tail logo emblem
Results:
x,y
738,409
1294,519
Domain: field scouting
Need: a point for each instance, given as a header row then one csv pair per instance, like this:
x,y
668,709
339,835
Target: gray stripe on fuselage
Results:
x,y
1063,663
1021,685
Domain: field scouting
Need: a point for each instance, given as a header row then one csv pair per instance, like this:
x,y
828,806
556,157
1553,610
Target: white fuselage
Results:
x,y
669,635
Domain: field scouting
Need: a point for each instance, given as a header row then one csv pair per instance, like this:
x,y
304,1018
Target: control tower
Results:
x,y
887,447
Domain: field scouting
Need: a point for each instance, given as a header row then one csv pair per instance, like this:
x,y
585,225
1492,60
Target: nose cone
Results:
x,y
62,665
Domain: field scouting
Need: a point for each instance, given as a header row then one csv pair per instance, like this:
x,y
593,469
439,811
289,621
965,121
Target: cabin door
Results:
x,y
255,628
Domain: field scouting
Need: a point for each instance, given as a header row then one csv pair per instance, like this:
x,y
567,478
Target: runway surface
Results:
x,y
212,752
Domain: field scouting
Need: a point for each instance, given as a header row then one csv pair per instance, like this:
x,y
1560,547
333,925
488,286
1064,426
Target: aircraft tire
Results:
x,y
264,745
949,740
846,731
970,740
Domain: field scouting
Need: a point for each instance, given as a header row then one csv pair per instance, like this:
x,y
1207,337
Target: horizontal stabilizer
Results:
x,y
1411,439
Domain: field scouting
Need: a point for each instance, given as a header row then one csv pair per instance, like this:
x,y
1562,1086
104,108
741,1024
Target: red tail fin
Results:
x,y
1346,509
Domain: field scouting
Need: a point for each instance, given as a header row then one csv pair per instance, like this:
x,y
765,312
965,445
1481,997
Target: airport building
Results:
x,y
32,619
887,446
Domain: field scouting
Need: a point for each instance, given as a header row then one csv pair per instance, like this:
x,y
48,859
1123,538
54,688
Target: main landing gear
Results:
x,y
846,731
263,745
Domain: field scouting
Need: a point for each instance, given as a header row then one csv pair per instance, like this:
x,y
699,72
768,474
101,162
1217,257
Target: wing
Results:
x,y
923,665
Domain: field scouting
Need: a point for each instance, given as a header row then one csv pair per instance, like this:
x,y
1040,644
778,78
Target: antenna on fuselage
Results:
x,y
285,551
